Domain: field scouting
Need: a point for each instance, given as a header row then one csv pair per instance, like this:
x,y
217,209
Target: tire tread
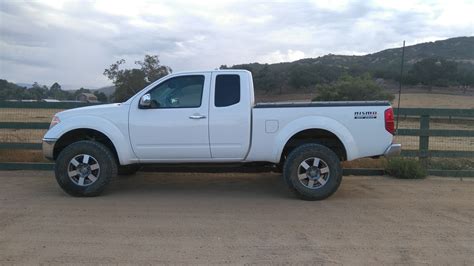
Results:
x,y
308,150
108,168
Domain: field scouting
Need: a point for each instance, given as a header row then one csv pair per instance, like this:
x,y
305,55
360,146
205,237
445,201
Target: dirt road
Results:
x,y
236,218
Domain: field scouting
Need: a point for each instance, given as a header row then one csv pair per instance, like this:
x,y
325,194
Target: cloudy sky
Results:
x,y
72,42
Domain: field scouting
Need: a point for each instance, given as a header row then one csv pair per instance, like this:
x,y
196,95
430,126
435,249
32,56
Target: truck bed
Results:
x,y
360,125
321,104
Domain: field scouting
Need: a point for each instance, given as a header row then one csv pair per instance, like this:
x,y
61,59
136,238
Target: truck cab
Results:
x,y
198,116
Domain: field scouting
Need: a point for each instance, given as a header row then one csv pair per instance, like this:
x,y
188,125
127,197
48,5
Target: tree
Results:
x,y
55,87
57,93
152,69
349,88
129,81
101,97
267,80
38,92
434,72
11,91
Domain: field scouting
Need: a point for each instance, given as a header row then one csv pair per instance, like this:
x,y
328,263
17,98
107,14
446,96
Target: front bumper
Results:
x,y
393,150
48,148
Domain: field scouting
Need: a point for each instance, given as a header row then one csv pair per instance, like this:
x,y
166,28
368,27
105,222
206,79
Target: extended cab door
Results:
x,y
175,127
230,114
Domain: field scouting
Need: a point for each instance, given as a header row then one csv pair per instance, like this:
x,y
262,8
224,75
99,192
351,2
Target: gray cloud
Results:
x,y
73,41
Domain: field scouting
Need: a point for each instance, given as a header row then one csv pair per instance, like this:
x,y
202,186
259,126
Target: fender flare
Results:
x,y
120,141
315,122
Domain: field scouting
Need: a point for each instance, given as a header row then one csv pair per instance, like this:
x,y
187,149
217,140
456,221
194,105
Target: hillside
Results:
x,y
460,49
439,66
307,73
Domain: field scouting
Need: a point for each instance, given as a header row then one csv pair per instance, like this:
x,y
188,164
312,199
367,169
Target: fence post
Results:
x,y
424,140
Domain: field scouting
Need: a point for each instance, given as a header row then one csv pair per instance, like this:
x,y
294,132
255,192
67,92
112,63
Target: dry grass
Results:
x,y
21,156
26,115
22,135
428,100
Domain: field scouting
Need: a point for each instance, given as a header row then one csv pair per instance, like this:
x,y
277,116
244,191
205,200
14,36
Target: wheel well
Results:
x,y
83,134
319,136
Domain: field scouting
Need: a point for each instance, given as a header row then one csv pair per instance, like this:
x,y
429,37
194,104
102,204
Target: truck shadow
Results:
x,y
216,185
268,185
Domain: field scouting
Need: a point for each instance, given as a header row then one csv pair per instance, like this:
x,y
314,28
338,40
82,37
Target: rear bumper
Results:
x,y
393,150
48,148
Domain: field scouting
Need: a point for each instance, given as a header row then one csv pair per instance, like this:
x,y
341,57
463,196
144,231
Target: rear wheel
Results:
x,y
84,168
313,172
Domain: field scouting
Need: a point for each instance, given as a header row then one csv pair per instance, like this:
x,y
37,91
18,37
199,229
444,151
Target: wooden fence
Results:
x,y
424,132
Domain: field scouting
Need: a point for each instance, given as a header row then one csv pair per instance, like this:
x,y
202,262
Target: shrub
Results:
x,y
349,88
405,168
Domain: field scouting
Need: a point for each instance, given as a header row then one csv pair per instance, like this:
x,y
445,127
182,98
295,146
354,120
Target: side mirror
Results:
x,y
145,101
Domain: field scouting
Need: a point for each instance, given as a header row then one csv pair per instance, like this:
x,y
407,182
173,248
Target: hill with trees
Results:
x,y
37,92
442,63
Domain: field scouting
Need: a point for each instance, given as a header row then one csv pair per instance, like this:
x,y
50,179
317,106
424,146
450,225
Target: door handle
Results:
x,y
197,117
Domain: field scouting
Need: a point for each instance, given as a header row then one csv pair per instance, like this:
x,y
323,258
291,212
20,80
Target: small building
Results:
x,y
87,98
50,100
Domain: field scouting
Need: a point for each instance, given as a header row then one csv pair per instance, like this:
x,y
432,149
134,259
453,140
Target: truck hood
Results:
x,y
96,110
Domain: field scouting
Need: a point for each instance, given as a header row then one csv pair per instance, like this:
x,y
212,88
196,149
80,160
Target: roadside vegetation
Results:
x,y
349,88
405,168
37,92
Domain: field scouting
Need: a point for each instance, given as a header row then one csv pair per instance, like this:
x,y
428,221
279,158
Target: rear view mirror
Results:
x,y
145,101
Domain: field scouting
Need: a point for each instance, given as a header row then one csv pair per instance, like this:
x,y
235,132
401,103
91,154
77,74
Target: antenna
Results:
x,y
400,85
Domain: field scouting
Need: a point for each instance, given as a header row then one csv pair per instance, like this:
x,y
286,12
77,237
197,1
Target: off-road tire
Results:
x,y
104,157
302,153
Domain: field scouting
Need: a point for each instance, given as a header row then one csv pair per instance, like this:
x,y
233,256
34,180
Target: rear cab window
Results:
x,y
227,90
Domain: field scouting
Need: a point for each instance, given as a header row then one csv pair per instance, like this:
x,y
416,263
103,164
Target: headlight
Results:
x,y
54,122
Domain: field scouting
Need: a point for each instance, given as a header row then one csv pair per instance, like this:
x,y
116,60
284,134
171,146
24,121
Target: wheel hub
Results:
x,y
313,173
83,170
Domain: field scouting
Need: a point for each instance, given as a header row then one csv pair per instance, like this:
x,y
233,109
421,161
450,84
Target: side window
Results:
x,y
227,90
178,92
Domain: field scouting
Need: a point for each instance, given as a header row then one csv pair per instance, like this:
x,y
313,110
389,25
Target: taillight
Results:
x,y
389,121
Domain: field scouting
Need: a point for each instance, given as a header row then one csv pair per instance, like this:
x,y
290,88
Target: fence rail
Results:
x,y
424,133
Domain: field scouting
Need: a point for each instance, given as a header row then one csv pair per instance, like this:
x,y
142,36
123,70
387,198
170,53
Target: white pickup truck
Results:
x,y
211,117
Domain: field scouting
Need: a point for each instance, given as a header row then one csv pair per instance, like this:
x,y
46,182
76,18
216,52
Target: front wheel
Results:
x,y
84,168
313,172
